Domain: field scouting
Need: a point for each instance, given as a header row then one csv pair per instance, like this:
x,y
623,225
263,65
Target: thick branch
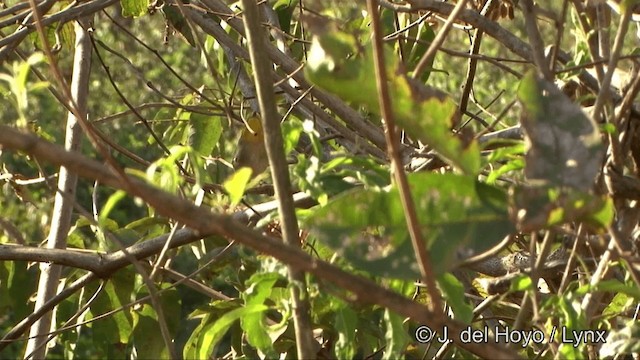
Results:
x,y
274,144
204,221
65,193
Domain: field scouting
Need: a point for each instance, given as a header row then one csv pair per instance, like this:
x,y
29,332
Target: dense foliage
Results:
x,y
464,171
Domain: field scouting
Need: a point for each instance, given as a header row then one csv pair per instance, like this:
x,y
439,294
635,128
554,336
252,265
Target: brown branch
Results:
x,y
43,7
274,144
535,39
605,92
393,146
473,60
350,116
9,43
206,222
103,265
427,58
309,108
491,28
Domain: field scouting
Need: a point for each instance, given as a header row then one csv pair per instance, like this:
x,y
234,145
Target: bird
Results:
x,y
250,150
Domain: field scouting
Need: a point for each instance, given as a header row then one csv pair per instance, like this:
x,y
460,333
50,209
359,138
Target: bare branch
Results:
x,y
274,144
204,221
65,194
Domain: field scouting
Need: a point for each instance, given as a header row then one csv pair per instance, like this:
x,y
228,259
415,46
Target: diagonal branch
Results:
x,y
204,221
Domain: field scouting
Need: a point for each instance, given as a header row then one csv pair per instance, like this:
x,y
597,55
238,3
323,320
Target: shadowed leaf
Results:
x,y
564,145
369,229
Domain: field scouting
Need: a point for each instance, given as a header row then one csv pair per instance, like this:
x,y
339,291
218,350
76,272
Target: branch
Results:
x,y
65,194
7,44
535,39
393,145
350,116
491,28
428,56
605,91
204,222
103,265
274,144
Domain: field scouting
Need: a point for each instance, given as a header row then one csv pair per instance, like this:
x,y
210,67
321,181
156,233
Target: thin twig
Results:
x,y
559,35
350,116
427,58
535,40
473,62
207,222
386,109
605,90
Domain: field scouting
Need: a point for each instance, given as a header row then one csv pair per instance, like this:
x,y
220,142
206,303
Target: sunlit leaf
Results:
x,y
339,64
134,8
454,293
396,335
236,184
213,333
521,283
205,133
254,323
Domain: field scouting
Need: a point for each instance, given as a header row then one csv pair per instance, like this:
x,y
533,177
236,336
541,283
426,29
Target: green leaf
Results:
x,y
205,133
116,292
396,336
521,283
453,292
254,324
345,325
291,131
368,227
613,286
564,143
134,8
424,35
194,343
147,339
339,64
236,184
213,333
164,173
177,21
111,203
568,351
621,302
284,9
18,280
513,165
